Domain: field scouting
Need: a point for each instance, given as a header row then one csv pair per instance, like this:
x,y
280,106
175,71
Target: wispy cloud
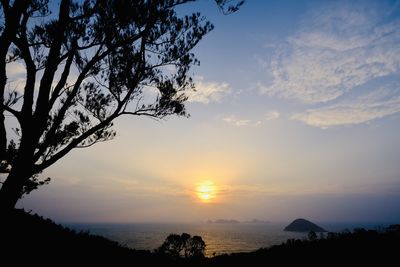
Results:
x,y
334,59
272,115
335,50
206,92
379,103
240,122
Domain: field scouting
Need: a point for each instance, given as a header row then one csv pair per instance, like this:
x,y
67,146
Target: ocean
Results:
x,y
220,238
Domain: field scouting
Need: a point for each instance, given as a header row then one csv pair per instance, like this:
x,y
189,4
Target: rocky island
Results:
x,y
303,225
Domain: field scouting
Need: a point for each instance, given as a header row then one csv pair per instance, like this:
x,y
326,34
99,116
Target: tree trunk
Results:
x,y
3,81
11,190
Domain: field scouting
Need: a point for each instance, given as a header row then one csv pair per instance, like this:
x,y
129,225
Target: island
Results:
x,y
224,221
303,225
257,221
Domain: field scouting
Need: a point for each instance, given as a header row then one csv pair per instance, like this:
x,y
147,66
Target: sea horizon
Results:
x,y
220,238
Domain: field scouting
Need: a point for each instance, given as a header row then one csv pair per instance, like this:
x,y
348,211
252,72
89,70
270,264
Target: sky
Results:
x,y
296,114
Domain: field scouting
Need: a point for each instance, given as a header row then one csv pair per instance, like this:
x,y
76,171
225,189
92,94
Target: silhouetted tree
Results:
x,y
312,236
195,247
321,235
87,63
183,245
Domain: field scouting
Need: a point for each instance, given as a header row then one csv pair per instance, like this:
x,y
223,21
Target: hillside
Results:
x,y
40,242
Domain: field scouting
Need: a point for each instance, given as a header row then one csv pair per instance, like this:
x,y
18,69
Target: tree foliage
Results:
x,y
87,63
184,246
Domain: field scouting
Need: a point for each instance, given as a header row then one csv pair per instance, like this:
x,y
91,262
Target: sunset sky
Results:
x,y
296,114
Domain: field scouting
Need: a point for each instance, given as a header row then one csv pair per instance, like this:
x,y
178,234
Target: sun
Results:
x,y
206,191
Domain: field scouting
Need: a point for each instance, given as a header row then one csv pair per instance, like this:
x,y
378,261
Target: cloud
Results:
x,y
379,103
232,120
206,92
240,122
16,76
335,50
16,70
272,115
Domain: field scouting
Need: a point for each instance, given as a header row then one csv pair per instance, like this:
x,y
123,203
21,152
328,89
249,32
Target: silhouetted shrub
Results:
x,y
312,236
183,246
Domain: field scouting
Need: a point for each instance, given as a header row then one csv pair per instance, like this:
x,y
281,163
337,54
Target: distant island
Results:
x,y
258,221
223,221
303,225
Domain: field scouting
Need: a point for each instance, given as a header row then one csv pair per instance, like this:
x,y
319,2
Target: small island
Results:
x,y
224,221
303,225
258,221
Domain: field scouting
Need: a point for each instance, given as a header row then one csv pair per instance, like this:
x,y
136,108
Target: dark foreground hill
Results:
x,y
30,239
303,225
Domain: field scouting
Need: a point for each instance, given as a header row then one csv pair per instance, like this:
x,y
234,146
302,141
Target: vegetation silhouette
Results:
x,y
183,245
90,62
41,242
312,236
345,248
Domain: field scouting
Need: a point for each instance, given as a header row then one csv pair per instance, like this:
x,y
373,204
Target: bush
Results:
x,y
183,246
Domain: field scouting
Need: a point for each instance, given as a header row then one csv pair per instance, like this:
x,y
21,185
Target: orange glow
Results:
x,y
206,191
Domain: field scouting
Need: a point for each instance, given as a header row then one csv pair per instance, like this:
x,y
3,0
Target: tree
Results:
x,y
312,236
183,245
87,63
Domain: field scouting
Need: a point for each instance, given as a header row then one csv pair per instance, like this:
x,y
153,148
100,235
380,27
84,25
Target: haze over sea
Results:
x,y
219,237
